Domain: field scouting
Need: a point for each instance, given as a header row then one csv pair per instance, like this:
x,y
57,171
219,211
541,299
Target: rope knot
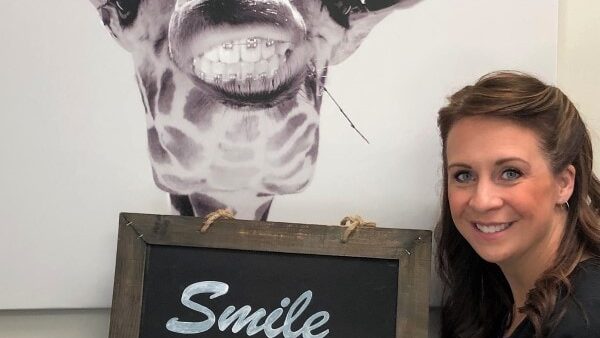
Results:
x,y
352,223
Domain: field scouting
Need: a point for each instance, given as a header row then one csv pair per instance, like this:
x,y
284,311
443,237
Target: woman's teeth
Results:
x,y
490,229
241,60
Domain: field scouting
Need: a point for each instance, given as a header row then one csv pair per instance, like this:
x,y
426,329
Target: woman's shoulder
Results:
x,y
585,280
582,315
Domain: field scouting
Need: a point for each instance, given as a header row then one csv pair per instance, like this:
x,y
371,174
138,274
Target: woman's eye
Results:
x,y
511,174
463,176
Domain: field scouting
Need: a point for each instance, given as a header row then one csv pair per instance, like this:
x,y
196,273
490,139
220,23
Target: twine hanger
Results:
x,y
214,216
352,223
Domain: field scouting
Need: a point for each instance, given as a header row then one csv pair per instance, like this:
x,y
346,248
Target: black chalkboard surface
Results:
x,y
261,279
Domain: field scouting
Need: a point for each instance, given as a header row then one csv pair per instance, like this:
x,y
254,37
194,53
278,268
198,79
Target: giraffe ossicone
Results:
x,y
232,90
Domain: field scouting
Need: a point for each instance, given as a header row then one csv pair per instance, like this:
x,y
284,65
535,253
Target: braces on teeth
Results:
x,y
245,59
249,43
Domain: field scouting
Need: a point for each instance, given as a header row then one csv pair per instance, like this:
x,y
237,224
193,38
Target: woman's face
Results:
x,y
504,198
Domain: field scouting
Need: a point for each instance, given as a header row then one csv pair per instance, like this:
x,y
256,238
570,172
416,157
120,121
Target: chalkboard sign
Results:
x,y
264,279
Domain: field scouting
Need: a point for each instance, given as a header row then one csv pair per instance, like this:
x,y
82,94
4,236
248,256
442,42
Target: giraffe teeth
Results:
x,y
273,65
212,55
248,65
251,52
251,49
233,64
229,53
268,49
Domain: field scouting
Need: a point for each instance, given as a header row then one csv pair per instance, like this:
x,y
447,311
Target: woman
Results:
x,y
519,233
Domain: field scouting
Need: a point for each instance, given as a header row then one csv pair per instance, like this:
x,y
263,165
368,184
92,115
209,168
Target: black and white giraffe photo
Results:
x,y
232,91
189,106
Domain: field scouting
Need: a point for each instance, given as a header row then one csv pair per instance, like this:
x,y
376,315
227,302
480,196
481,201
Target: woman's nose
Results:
x,y
485,196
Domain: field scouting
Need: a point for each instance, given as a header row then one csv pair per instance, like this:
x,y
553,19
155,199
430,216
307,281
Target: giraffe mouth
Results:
x,y
242,60
254,71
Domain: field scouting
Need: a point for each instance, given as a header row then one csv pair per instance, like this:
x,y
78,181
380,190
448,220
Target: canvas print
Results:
x,y
232,91
185,107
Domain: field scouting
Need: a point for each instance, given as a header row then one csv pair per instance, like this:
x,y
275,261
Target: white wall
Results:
x,y
579,62
73,152
91,323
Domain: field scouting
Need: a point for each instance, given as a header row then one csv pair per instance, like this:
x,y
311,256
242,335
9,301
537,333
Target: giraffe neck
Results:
x,y
234,156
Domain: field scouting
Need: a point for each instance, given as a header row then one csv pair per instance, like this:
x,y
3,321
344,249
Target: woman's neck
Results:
x,y
521,280
522,276
523,271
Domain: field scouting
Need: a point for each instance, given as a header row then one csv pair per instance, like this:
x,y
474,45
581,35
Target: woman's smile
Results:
x,y
492,228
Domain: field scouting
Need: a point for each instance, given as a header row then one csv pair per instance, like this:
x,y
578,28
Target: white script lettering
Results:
x,y
244,318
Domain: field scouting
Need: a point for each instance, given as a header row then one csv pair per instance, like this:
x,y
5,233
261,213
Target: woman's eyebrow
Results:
x,y
497,163
511,159
458,164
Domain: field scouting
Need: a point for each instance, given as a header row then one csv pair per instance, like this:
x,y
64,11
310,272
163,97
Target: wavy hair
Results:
x,y
477,298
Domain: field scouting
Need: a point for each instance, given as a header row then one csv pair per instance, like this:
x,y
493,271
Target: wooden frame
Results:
x,y
412,248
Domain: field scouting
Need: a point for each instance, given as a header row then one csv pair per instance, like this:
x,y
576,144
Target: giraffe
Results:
x,y
232,90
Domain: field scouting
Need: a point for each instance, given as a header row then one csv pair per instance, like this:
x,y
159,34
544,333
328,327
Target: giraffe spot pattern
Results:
x,y
149,84
204,204
197,109
278,140
310,85
286,189
157,152
263,211
160,43
167,92
184,148
299,145
244,131
284,108
159,184
287,175
181,184
236,154
313,152
182,204
310,88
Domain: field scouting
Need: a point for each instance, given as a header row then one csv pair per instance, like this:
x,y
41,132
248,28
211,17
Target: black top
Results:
x,y
582,317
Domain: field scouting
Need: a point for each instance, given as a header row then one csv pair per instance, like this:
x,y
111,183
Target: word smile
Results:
x,y
244,318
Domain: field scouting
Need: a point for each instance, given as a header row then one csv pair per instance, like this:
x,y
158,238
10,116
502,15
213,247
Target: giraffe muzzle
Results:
x,y
253,58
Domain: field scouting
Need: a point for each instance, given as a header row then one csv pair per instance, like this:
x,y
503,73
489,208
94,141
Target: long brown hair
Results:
x,y
477,298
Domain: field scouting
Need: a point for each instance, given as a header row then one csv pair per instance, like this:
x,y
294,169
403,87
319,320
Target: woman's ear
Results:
x,y
566,183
